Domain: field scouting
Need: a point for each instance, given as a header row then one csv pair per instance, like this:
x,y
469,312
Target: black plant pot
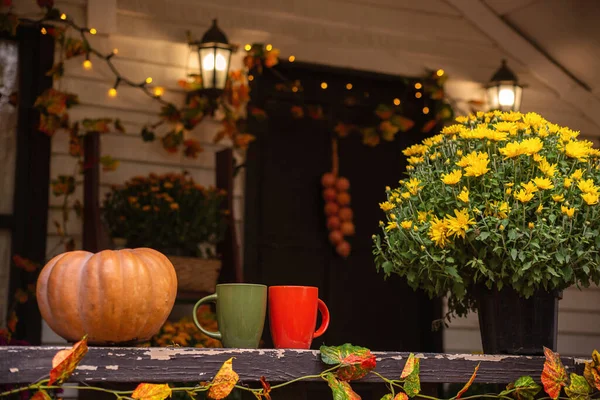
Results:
x,y
511,324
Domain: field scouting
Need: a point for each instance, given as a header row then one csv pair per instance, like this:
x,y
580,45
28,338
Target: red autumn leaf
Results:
x,y
49,124
429,125
554,375
384,111
297,112
271,58
370,137
21,296
242,140
592,370
315,112
65,362
343,130
468,384
25,263
266,388
437,94
41,395
258,113
192,148
63,185
341,389
404,124
99,125
108,163
355,362
150,391
170,113
172,140
224,381
52,101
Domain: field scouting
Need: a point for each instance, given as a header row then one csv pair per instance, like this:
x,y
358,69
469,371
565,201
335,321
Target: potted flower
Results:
x,y
500,213
172,214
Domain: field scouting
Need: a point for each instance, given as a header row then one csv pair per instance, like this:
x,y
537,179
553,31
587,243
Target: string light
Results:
x,y
159,91
425,110
93,31
269,47
396,101
248,47
149,80
63,16
250,78
87,64
44,31
115,51
349,86
112,92
418,95
323,85
418,86
292,59
440,72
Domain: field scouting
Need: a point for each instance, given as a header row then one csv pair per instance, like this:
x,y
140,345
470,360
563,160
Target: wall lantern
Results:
x,y
504,91
214,52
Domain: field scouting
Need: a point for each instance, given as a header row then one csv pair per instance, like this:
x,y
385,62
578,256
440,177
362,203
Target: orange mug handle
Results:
x,y
324,319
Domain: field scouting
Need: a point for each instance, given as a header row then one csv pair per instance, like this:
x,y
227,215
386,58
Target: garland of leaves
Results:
x,y
345,364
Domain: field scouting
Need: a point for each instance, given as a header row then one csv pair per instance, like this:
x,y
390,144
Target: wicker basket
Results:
x,y
196,274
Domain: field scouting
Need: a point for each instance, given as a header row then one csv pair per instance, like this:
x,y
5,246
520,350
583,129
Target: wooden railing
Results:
x,y
20,365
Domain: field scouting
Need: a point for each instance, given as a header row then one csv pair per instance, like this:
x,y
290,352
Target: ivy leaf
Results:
x,y
384,111
108,163
49,124
468,384
579,389
150,391
63,185
523,388
266,388
21,296
412,382
409,367
224,381
148,135
429,125
355,361
65,362
172,140
343,130
403,123
99,125
25,263
242,140
315,112
592,370
75,47
387,397
170,113
41,395
401,396
341,389
57,71
258,113
370,137
388,130
191,148
554,376
297,112
119,126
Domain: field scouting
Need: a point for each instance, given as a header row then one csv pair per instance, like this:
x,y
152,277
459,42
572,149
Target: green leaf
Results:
x,y
525,388
108,163
341,390
483,236
355,362
387,267
579,389
512,234
412,382
513,254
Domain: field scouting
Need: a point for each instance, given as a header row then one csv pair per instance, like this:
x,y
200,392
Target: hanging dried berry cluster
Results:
x,y
338,211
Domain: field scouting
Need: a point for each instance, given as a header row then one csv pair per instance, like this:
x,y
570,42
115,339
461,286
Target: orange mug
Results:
x,y
293,316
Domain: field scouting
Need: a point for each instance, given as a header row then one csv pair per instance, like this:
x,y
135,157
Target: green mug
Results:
x,y
241,310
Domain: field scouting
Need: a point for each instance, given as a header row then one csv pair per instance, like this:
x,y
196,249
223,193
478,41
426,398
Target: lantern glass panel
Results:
x,y
207,66
222,59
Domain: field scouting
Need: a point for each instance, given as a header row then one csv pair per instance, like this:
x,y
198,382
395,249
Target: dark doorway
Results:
x,y
286,239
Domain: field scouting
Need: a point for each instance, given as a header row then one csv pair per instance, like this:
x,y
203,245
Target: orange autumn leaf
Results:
x,y
150,391
592,370
401,396
429,125
266,388
468,384
21,296
554,375
224,381
25,263
41,395
297,112
408,367
65,362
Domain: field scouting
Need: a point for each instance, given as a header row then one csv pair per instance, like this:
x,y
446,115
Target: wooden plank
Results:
x,y
114,364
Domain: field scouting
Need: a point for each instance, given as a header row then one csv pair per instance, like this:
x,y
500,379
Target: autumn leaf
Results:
x,y
57,71
170,113
148,135
355,362
266,388
384,111
41,395
468,384
242,140
49,124
21,296
70,245
401,396
99,125
387,397
9,22
343,130
25,263
119,126
297,112
191,148
523,388
224,381
172,140
341,389
75,142
108,163
65,362
370,137
412,382
579,389
403,123
75,47
315,112
554,375
592,370
409,367
429,125
150,391
63,185
258,113
388,130
12,322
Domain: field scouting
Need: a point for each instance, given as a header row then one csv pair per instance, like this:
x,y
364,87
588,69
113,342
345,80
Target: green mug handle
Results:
x,y
208,299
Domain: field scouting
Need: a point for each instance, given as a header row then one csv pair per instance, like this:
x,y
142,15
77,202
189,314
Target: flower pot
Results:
x,y
511,324
197,275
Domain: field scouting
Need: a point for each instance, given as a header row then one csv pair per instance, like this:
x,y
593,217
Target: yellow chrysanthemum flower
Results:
x,y
415,150
386,206
577,175
567,182
463,195
406,224
509,191
452,178
393,217
405,195
478,168
539,209
534,120
512,116
391,225
547,169
458,225
567,134
433,140
529,187
590,198
496,135
543,183
578,149
508,127
422,216
559,198
512,150
471,158
461,119
415,160
413,186
587,186
531,225
532,145
569,212
523,196
438,232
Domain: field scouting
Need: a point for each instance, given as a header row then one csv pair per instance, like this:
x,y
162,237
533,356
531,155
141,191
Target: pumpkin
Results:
x,y
112,296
